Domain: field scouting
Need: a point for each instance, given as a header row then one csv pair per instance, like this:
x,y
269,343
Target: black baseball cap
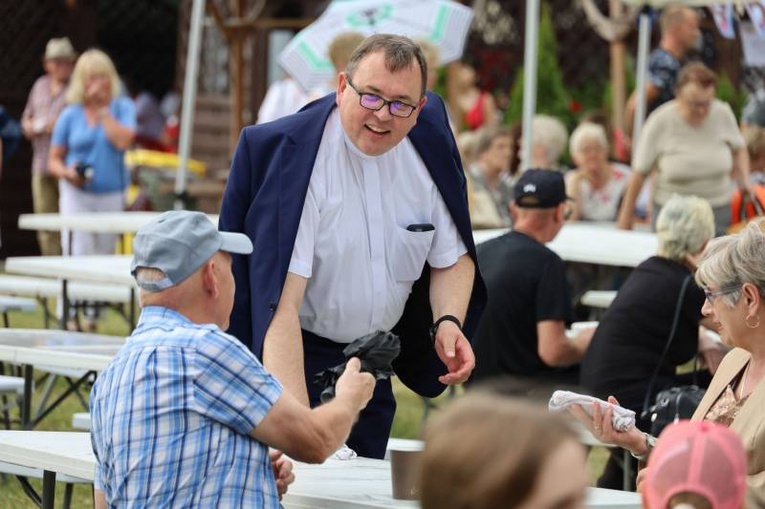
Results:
x,y
540,189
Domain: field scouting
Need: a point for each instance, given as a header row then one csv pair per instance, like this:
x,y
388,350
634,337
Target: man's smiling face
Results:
x,y
376,132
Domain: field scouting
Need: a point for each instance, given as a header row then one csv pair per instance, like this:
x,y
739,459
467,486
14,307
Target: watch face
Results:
x,y
651,441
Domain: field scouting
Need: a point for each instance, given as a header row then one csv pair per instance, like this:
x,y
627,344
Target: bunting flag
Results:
x,y
756,10
723,15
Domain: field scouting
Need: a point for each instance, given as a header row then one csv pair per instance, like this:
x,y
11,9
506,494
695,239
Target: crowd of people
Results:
x,y
350,210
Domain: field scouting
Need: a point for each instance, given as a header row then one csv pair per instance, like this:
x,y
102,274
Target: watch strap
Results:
x,y
445,318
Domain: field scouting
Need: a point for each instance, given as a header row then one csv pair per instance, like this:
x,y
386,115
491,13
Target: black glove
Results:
x,y
376,352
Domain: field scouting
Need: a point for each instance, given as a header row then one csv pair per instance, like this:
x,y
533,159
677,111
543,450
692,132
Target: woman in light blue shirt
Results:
x,y
87,148
87,151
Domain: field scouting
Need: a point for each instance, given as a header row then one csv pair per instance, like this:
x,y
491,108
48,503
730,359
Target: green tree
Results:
x,y
728,93
552,97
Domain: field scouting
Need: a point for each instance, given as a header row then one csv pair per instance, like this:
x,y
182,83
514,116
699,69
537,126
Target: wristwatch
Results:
x,y
650,443
445,318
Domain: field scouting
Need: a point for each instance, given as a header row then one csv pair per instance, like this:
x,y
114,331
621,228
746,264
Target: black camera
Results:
x,y
84,170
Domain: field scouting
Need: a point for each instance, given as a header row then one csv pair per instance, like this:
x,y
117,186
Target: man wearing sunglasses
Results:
x,y
361,198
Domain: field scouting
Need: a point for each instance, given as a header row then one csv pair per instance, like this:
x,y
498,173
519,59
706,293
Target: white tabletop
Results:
x,y
357,483
101,222
63,452
364,483
113,269
598,243
58,348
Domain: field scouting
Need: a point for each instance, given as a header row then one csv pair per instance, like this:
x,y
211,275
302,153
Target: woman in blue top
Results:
x,y
87,149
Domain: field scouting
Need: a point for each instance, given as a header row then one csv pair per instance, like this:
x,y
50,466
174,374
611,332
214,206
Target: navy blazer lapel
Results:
x,y
295,168
439,154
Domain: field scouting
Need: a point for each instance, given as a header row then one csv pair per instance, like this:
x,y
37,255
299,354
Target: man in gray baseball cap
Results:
x,y
182,394
178,243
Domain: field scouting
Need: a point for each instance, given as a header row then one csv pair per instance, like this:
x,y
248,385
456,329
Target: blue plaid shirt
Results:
x,y
171,415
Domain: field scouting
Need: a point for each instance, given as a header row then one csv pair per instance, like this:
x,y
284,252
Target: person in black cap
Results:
x,y
523,329
184,414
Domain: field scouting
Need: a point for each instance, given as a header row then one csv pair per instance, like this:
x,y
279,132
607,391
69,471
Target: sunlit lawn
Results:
x,y
407,423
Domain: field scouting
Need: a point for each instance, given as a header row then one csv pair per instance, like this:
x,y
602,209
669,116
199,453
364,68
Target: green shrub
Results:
x,y
552,97
728,93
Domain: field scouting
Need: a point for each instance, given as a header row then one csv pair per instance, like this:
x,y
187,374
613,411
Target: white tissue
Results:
x,y
623,418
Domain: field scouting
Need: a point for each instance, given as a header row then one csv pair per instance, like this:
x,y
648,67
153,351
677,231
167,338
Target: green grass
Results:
x,y
407,422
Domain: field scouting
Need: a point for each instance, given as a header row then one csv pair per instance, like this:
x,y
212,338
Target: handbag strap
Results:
x,y
759,208
673,330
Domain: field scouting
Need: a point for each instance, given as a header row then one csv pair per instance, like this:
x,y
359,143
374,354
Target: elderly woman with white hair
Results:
x,y
732,276
596,185
628,343
549,137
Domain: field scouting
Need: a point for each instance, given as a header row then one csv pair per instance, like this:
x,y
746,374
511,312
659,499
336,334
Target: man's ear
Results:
x,y
209,279
513,208
342,84
560,212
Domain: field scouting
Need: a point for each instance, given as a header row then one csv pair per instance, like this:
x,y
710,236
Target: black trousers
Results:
x,y
369,436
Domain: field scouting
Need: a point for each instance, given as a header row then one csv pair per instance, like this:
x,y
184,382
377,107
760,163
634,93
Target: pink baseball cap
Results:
x,y
698,457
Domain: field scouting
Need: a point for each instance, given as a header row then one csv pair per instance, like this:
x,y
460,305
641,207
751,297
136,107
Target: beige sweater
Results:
x,y
689,160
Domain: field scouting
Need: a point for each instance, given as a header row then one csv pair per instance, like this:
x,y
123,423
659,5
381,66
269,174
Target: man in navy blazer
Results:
x,y
358,212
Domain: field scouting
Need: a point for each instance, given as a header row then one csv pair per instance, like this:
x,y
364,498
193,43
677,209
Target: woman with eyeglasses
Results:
x,y
693,146
628,344
732,276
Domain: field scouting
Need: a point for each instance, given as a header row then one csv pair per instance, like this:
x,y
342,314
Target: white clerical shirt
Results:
x,y
353,245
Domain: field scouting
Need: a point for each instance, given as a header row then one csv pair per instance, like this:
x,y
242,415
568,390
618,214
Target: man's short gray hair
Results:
x,y
587,131
733,260
399,53
684,226
551,134
148,275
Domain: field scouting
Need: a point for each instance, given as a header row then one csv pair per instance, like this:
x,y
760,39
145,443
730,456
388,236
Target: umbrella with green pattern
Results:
x,y
443,23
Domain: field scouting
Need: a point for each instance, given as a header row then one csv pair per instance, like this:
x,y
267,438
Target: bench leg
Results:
x,y
49,489
29,490
26,407
68,496
72,388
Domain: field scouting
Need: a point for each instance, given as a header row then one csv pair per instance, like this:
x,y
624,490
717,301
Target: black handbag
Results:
x,y
676,403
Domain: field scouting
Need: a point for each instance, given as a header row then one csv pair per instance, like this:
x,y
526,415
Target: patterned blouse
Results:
x,y
727,406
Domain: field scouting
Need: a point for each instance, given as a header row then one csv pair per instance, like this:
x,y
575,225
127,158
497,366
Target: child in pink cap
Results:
x,y
696,465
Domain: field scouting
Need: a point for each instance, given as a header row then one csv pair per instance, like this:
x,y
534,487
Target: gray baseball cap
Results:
x,y
178,243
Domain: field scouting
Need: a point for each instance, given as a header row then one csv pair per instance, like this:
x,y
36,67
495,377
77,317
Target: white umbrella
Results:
x,y
443,23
